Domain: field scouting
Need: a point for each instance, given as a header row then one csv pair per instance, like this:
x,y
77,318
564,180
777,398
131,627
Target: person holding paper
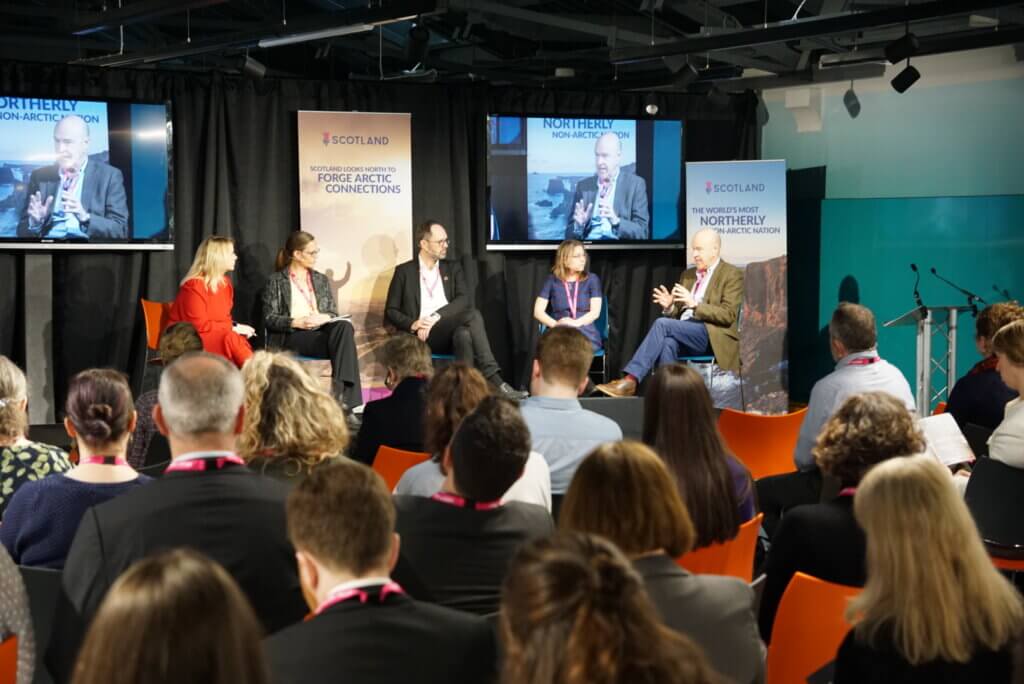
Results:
x,y
301,315
611,204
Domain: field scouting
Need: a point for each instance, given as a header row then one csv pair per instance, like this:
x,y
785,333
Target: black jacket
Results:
x,y
396,421
403,303
277,302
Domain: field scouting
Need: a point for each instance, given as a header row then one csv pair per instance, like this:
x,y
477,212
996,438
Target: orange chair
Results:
x,y
390,463
9,660
155,314
765,444
939,408
734,558
809,626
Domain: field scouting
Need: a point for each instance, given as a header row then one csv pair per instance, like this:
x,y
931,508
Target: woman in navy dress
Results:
x,y
573,294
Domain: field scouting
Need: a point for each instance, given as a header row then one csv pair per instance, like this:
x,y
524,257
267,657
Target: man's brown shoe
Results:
x,y
623,387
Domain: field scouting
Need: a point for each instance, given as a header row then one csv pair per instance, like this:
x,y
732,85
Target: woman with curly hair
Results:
x,y
574,611
291,424
823,539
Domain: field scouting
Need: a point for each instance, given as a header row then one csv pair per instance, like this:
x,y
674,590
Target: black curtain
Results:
x,y
234,173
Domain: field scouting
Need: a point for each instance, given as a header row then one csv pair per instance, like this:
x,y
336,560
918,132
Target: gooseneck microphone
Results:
x,y
917,293
972,298
1004,293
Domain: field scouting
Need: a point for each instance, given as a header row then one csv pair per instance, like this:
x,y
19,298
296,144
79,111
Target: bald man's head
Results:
x,y
607,156
706,246
71,142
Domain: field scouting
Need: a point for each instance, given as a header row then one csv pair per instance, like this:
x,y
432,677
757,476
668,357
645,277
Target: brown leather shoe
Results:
x,y
623,387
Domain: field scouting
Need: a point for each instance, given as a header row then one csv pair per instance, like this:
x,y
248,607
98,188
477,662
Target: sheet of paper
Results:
x,y
946,443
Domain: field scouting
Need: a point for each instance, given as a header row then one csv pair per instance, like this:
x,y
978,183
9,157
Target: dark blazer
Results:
x,y
397,640
630,204
403,302
822,540
716,612
234,516
980,397
719,311
277,302
103,196
396,421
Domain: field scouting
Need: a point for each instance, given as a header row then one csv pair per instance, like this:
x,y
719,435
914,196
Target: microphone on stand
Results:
x,y
1004,293
972,298
917,293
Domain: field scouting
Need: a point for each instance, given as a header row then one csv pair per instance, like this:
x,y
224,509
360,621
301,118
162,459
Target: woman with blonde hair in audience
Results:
x,y
934,608
680,425
291,424
172,618
823,539
206,298
453,394
21,459
43,516
623,492
574,611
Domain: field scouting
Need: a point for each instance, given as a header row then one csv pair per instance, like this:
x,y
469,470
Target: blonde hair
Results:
x,y
931,588
211,262
287,413
1009,341
562,255
13,391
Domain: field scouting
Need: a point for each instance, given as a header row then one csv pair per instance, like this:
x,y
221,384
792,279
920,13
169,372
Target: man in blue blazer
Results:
x,y
612,204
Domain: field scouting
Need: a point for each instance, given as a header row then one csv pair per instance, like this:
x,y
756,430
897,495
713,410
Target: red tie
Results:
x,y
700,279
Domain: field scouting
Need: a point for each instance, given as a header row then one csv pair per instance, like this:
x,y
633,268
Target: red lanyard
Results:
x,y
573,304
306,294
336,597
102,460
864,361
700,279
201,464
454,500
431,288
847,491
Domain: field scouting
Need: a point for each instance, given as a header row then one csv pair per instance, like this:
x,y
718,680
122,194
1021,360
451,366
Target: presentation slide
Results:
x,y
84,173
608,182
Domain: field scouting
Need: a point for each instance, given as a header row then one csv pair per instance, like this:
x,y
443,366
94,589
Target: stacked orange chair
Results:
x,y
765,444
734,558
392,463
9,660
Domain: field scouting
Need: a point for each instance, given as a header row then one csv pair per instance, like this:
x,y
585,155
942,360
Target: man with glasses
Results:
x,y
428,297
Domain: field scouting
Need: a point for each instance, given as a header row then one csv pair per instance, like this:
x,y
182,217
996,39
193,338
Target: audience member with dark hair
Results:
x,y
624,493
397,421
457,544
934,608
300,311
364,628
679,424
980,396
207,500
452,395
291,424
42,517
573,611
175,340
560,429
171,618
21,459
823,539
16,617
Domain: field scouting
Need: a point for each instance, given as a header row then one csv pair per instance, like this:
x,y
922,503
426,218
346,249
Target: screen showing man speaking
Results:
x,y
83,172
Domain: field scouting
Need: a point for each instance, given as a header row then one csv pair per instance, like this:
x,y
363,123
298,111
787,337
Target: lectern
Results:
x,y
940,322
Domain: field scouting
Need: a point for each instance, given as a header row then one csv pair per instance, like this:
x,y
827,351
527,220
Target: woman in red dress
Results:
x,y
205,300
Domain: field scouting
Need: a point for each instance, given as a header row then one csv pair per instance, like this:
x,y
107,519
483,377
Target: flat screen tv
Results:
x,y
85,174
611,183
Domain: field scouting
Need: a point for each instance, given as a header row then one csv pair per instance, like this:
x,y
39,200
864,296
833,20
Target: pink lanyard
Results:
x,y
573,304
307,295
102,460
847,491
864,361
454,500
431,288
201,464
700,279
336,597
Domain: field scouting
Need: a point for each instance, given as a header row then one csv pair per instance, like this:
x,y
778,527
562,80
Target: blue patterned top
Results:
x,y
553,290
21,463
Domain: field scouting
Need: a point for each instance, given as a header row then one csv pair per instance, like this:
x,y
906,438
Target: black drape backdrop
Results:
x,y
235,173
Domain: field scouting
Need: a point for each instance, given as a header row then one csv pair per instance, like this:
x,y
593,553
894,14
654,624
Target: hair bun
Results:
x,y
99,412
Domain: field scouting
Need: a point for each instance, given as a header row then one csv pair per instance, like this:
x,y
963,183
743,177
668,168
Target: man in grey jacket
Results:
x,y
612,204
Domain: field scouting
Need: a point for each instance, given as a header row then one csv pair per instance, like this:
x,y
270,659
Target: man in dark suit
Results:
x,y
76,198
397,421
457,544
207,500
611,205
364,628
700,316
429,298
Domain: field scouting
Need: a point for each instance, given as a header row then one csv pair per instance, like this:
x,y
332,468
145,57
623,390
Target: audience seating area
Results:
x,y
734,558
764,444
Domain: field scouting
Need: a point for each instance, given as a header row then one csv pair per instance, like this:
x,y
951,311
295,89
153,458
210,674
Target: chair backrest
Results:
x,y
601,323
734,558
155,314
9,660
765,444
939,408
43,587
391,463
809,626
994,497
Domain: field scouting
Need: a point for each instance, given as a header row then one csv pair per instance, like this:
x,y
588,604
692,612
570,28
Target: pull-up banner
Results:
x,y
746,203
355,196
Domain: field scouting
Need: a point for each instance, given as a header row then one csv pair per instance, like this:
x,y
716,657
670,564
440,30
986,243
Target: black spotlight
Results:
x,y
418,44
651,104
851,102
905,78
902,48
252,68
685,77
